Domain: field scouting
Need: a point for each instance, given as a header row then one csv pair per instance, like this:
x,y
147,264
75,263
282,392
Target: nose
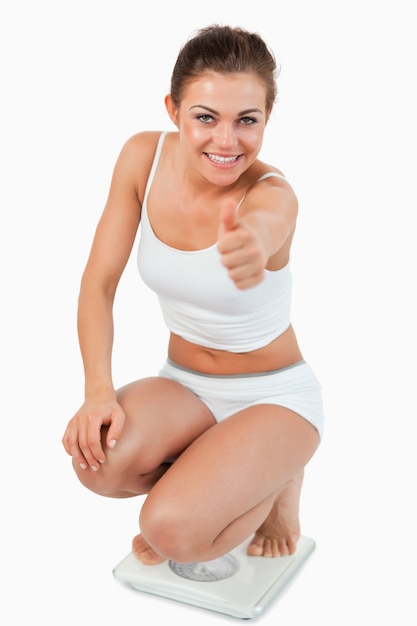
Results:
x,y
225,136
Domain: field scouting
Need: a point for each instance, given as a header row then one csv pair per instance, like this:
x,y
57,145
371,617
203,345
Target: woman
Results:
x,y
220,438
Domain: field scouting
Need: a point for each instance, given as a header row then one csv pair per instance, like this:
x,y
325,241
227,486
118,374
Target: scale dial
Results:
x,y
208,571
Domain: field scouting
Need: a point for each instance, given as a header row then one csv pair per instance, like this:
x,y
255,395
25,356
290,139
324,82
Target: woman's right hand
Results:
x,y
83,436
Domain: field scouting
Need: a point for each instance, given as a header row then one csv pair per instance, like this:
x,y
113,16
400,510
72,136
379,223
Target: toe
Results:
x,y
144,553
256,546
283,547
267,551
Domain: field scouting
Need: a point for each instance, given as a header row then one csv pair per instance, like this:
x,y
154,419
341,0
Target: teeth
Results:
x,y
220,159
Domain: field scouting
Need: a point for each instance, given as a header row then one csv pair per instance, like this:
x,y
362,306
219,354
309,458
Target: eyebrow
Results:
x,y
245,112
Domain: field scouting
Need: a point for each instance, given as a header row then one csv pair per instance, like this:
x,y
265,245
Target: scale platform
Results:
x,y
236,584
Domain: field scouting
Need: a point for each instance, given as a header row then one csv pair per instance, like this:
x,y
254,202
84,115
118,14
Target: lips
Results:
x,y
222,160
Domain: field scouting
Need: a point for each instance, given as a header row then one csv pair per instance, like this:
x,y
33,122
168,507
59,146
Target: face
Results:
x,y
221,122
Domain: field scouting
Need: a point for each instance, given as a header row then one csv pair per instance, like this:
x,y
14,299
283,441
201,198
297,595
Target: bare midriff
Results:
x,y
281,352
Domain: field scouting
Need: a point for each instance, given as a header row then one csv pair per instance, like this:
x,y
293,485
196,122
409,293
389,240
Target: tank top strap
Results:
x,y
154,166
267,175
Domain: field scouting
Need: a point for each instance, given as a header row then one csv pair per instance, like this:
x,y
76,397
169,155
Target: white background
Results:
x,y
77,79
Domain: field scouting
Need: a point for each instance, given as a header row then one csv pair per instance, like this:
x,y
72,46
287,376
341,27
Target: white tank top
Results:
x,y
199,301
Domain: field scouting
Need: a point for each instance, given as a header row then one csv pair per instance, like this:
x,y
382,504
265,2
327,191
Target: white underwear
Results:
x,y
294,387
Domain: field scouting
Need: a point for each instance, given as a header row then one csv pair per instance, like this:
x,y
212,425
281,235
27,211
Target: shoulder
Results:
x,y
136,157
261,175
140,146
269,182
271,175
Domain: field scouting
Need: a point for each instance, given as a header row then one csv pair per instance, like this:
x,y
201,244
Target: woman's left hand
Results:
x,y
240,249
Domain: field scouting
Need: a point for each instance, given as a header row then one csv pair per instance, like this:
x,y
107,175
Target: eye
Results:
x,y
205,118
247,121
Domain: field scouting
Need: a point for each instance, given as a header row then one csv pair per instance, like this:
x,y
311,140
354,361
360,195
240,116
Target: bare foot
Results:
x,y
280,532
144,552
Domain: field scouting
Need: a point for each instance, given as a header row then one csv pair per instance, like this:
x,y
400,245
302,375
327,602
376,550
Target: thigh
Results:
x,y
234,467
162,419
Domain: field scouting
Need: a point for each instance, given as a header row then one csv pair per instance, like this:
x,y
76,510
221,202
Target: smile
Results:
x,y
220,159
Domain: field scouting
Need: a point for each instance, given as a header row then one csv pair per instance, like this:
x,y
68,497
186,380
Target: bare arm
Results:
x,y
109,254
259,235
110,251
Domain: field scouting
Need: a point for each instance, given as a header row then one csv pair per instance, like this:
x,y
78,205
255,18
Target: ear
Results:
x,y
171,108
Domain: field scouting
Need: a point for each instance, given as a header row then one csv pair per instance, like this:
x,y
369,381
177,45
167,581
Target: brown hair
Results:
x,y
225,50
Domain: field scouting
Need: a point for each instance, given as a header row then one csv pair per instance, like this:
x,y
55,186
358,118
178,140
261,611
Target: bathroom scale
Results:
x,y
235,584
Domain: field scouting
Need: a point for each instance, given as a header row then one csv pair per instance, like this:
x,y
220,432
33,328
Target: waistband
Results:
x,y
229,376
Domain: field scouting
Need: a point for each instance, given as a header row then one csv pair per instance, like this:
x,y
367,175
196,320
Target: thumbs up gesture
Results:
x,y
240,249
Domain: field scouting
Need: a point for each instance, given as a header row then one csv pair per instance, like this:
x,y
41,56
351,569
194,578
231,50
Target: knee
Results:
x,y
173,532
115,479
101,482
126,471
